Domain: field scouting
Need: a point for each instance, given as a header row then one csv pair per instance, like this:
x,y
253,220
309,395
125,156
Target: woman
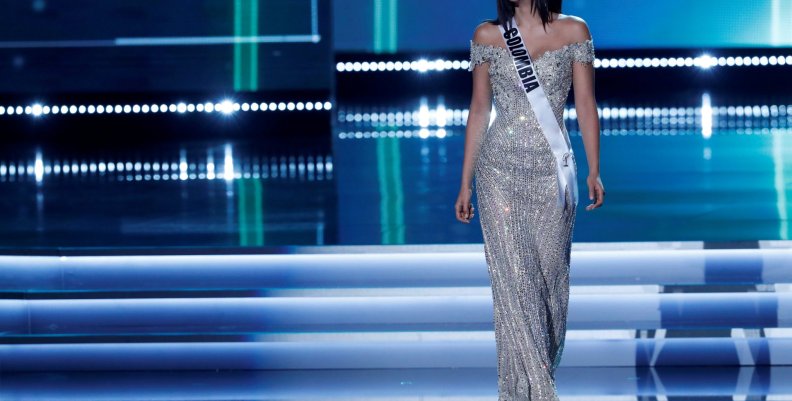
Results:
x,y
527,207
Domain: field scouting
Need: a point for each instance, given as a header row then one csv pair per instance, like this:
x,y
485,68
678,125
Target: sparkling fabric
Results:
x,y
527,237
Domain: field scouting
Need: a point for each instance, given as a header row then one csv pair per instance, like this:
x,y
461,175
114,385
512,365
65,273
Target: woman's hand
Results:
x,y
463,207
596,191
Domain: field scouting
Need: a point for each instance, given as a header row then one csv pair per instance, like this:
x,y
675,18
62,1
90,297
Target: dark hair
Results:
x,y
544,8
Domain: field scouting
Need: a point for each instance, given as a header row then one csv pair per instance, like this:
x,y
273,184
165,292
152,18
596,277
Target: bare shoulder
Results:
x,y
487,33
574,28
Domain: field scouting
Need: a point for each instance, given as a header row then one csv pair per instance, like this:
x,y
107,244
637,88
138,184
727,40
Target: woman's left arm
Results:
x,y
588,117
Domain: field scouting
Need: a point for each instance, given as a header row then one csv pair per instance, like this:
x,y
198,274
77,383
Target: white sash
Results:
x,y
559,143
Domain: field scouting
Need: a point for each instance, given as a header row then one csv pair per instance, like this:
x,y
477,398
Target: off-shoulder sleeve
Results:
x,y
478,55
583,52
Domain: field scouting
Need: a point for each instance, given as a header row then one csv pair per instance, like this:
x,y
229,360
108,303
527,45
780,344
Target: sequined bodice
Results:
x,y
553,67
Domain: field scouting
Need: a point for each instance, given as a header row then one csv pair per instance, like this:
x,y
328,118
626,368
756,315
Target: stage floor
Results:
x,y
574,384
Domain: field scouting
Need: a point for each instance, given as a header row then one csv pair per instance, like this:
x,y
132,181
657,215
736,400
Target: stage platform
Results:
x,y
386,322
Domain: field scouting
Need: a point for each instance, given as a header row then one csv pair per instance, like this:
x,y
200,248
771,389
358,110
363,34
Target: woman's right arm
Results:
x,y
477,123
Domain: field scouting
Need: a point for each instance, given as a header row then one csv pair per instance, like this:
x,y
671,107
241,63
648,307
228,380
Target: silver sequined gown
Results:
x,y
527,238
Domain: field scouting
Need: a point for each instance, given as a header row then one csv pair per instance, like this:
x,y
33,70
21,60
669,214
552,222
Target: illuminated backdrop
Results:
x,y
445,25
169,46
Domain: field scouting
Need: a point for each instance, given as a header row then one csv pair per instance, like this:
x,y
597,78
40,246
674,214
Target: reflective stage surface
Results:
x,y
574,384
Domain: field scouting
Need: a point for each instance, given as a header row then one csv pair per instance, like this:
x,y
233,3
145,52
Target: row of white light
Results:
x,y
422,133
191,176
442,116
165,170
759,111
704,61
121,167
690,131
443,133
700,117
439,115
225,107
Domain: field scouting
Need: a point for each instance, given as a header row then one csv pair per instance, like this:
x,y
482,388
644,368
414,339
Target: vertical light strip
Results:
x,y
258,207
228,163
778,180
390,191
398,189
314,18
780,32
38,168
786,29
384,193
242,213
254,32
392,25
386,13
237,45
706,116
251,227
246,16
378,26
775,22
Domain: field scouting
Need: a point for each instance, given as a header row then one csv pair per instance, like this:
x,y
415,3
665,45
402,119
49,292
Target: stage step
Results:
x,y
385,354
381,270
383,310
348,314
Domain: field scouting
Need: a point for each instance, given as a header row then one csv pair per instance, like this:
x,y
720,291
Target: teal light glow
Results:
x,y
779,181
245,51
385,25
390,190
780,33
